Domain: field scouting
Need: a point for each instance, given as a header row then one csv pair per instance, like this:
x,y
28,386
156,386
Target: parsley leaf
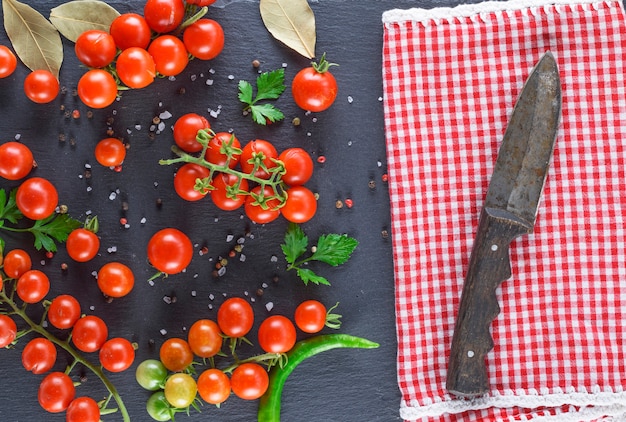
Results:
x,y
270,85
332,249
56,227
47,232
8,207
295,243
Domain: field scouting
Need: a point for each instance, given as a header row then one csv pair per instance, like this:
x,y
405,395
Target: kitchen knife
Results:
x,y
509,211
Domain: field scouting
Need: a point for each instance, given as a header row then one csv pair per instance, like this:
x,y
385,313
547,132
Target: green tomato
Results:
x,y
151,374
180,390
158,408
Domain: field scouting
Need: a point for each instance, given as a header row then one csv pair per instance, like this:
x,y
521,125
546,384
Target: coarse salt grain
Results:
x,y
165,115
242,258
112,196
269,306
230,238
209,82
350,99
274,258
163,331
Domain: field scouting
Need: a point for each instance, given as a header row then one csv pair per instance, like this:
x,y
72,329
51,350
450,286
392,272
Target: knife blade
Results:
x,y
509,211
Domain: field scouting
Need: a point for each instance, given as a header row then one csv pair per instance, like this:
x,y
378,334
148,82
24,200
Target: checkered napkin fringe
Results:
x,y
451,78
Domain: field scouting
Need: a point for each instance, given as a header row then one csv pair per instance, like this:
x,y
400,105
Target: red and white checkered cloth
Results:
x,y
451,79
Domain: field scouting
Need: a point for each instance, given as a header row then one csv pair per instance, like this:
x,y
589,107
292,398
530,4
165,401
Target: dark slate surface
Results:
x,y
341,385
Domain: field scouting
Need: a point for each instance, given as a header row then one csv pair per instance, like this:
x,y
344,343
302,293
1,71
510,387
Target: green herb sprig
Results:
x,y
269,86
47,232
332,249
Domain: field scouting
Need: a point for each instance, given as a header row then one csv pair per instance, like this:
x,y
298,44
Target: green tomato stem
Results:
x,y
68,348
269,405
275,180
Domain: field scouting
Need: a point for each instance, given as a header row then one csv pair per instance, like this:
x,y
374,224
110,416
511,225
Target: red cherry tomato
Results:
x,y
89,333
16,263
205,338
214,386
130,30
204,39
33,286
175,354
300,205
97,88
8,61
226,195
277,334
82,245
164,15
8,330
185,181
56,392
169,54
310,316
201,3
41,86
115,279
218,147
16,160
186,129
249,381
235,317
135,67
170,251
83,409
95,48
298,166
64,311
314,88
117,354
110,152
262,211
36,198
39,355
259,154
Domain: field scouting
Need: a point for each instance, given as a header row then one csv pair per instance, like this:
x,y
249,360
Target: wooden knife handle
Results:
x,y
489,266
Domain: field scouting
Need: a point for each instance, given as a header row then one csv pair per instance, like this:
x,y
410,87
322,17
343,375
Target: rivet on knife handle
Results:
x,y
509,211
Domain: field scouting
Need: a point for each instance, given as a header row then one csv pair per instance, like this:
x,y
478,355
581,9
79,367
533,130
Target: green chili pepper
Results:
x,y
269,405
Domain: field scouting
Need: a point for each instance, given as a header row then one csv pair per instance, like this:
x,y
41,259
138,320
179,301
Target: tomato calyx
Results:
x,y
323,65
333,320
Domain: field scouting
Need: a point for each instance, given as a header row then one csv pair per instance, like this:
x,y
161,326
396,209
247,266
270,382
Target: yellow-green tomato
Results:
x,y
180,390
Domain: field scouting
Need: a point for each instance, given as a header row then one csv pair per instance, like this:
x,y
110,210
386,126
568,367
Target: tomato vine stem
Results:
x,y
274,181
78,358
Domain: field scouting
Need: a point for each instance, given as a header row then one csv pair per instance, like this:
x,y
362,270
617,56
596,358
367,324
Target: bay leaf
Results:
x,y
292,22
35,40
75,17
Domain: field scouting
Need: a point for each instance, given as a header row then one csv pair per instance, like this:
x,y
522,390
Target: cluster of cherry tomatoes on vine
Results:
x,y
88,333
172,377
266,183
